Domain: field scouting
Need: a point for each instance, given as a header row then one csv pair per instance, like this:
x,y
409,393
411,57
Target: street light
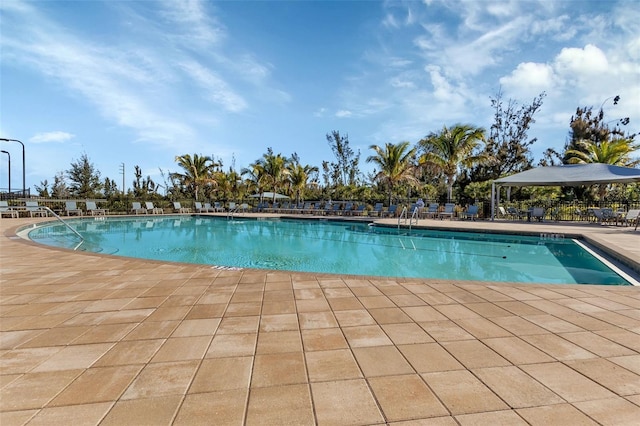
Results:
x,y
24,186
8,155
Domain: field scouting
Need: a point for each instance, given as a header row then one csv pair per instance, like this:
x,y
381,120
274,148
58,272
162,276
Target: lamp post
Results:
x,y
8,155
24,186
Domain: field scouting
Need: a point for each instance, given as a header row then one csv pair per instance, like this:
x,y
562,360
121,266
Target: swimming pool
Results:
x,y
339,247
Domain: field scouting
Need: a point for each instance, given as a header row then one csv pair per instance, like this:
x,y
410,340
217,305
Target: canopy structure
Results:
x,y
568,175
572,175
269,195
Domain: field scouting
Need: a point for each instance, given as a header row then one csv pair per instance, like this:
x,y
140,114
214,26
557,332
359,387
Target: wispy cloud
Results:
x,y
47,137
215,89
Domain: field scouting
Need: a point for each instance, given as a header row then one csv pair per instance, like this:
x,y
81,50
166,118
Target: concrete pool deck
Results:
x,y
90,339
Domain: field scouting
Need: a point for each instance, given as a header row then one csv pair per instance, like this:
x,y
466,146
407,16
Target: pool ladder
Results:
x,y
65,223
404,217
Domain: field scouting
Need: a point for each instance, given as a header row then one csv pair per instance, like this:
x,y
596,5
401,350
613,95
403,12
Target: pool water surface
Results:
x,y
338,247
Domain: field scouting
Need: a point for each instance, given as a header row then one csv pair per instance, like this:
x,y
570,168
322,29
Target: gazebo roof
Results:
x,y
572,175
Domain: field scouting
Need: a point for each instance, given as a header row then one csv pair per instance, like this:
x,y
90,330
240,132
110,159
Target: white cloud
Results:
x,y
529,78
343,113
590,60
47,137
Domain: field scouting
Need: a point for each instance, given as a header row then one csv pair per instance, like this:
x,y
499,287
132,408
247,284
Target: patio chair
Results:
x,y
71,207
449,211
153,209
359,211
34,209
217,206
377,209
537,213
93,210
177,208
514,213
432,210
6,211
631,217
391,211
470,213
137,208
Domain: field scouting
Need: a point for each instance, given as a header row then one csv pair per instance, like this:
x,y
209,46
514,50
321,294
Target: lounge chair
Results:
x,y
537,213
432,210
631,217
348,209
449,211
604,215
514,213
34,209
153,209
377,209
71,207
232,206
244,207
93,210
6,211
470,213
359,211
391,211
177,208
217,207
209,208
137,208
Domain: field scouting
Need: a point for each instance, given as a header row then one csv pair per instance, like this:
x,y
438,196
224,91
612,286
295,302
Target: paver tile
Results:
x,y
462,393
345,402
609,374
280,406
330,365
323,339
381,361
613,411
278,369
226,407
568,383
405,398
557,414
516,388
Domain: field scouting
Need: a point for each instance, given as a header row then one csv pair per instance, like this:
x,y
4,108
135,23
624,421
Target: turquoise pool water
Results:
x,y
338,247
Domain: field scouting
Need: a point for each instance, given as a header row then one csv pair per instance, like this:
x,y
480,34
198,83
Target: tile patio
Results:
x,y
98,340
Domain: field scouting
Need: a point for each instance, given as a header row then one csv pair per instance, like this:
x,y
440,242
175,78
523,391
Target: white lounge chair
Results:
x,y
71,207
177,207
152,209
6,211
93,210
137,208
34,209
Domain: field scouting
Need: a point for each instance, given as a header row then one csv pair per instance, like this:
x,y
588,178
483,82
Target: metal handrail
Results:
x,y
61,220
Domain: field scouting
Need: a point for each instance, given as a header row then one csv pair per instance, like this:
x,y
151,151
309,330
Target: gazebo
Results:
x,y
566,175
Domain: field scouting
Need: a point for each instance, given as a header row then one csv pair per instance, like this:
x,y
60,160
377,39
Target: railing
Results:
x,y
61,220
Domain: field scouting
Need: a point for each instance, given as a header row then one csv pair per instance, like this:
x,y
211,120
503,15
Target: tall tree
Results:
x,y
587,125
198,172
275,169
84,179
395,162
143,186
299,176
508,142
345,171
452,148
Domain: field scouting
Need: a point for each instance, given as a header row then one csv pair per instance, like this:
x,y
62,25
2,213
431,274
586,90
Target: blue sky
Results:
x,y
140,82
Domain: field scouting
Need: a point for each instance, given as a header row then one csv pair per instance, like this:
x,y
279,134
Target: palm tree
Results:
x,y
275,169
299,177
256,177
616,152
451,148
198,172
396,166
